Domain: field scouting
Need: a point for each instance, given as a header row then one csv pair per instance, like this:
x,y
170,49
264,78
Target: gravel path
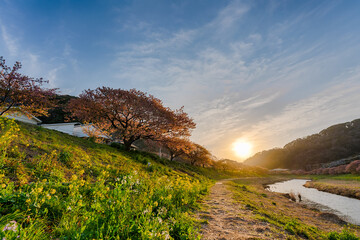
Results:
x,y
229,220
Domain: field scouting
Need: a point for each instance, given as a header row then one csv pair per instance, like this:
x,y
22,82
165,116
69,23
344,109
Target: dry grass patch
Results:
x,y
339,187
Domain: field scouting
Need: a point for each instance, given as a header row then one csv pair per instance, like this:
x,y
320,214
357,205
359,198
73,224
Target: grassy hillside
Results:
x,y
334,143
53,185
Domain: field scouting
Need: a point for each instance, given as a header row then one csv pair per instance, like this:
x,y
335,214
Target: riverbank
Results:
x,y
347,188
244,208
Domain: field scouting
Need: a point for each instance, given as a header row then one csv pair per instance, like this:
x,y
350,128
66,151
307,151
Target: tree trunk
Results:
x,y
127,144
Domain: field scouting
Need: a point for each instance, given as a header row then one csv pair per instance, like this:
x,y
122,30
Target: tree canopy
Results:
x,y
199,155
18,90
178,146
129,115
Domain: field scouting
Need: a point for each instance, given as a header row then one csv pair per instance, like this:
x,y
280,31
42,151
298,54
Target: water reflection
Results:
x,y
346,208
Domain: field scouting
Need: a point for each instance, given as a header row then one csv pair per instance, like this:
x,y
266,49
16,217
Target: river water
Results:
x,y
346,208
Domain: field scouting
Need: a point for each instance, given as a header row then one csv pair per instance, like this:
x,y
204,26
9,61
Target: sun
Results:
x,y
242,148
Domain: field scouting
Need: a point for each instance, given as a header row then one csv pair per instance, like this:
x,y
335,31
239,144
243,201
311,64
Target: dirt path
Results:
x,y
229,220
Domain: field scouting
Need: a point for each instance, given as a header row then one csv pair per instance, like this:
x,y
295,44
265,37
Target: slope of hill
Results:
x,y
336,142
56,186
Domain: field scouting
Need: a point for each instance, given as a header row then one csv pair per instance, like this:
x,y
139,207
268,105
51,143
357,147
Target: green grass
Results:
x,y
346,177
56,186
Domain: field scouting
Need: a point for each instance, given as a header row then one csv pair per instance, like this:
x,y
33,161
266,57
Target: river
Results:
x,y
346,208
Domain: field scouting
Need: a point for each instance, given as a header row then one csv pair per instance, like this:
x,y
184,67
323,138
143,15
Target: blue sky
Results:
x,y
264,71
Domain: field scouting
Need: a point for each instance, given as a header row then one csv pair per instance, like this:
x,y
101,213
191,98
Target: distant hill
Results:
x,y
331,144
232,163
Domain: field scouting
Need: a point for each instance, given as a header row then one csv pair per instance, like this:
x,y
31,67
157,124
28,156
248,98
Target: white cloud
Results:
x,y
32,63
229,16
255,37
51,76
9,40
159,44
68,56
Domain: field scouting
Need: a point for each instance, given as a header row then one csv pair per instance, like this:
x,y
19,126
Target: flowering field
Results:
x,y
55,186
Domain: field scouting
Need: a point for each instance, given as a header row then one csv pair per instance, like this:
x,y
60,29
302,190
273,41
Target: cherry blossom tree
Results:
x,y
351,167
178,146
129,115
200,155
18,90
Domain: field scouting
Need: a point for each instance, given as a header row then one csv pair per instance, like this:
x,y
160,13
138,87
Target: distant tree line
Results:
x,y
331,144
353,168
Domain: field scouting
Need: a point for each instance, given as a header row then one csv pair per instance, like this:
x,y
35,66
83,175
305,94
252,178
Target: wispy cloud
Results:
x,y
229,16
9,41
335,104
51,76
68,56
33,63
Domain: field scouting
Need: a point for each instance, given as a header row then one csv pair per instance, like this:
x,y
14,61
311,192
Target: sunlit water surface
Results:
x,y
346,208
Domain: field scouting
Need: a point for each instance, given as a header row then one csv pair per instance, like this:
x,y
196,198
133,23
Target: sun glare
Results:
x,y
242,148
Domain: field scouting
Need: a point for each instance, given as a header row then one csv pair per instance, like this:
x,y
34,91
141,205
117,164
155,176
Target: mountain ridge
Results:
x,y
333,143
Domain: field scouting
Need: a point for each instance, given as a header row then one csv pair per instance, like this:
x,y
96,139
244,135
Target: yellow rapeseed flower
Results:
x,y
82,183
